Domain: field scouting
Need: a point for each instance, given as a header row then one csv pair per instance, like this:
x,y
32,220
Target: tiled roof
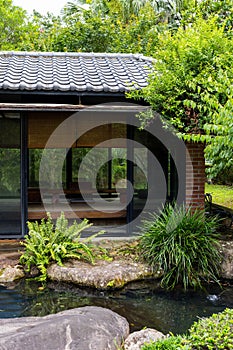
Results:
x,y
80,72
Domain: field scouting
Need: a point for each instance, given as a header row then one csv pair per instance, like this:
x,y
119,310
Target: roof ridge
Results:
x,y
137,56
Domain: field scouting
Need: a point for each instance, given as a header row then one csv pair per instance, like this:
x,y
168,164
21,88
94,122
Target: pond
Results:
x,y
143,304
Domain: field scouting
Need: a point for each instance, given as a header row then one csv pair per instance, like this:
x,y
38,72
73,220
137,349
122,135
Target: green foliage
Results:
x,y
105,31
87,34
40,32
46,243
225,177
182,243
215,332
185,71
223,10
170,343
95,26
12,25
10,164
191,86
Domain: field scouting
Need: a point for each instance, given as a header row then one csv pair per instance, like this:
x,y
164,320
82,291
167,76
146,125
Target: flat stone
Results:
x,y
103,275
136,340
11,274
86,328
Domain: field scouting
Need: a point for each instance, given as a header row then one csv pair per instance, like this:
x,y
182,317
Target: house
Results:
x,y
70,142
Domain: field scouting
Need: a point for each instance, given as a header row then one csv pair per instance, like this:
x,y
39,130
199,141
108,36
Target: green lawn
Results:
x,y
222,195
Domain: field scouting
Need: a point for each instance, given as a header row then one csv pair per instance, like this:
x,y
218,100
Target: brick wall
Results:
x,y
195,175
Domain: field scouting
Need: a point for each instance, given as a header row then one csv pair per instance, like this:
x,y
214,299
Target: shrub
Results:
x,y
212,333
46,242
215,332
225,177
184,244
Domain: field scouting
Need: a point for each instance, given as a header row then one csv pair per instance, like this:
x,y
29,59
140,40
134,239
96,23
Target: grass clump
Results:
x,y
184,244
46,243
212,333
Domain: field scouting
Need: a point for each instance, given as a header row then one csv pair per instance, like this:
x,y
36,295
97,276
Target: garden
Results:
x,y
191,89
181,243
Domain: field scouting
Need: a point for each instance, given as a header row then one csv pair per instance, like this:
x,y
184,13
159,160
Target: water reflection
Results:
x,y
142,304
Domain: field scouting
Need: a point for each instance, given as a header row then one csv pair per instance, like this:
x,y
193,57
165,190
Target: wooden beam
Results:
x,y
70,107
51,107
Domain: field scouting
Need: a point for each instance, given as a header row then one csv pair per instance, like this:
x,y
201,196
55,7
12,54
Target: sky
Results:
x,y
42,6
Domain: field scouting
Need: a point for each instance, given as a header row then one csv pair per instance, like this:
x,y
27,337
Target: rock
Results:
x,y
227,263
103,275
86,328
10,274
137,339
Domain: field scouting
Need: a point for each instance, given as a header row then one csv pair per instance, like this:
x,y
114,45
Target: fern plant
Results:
x,y
46,243
184,244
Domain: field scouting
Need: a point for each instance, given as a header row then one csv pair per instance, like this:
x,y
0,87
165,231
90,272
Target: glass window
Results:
x,y
10,183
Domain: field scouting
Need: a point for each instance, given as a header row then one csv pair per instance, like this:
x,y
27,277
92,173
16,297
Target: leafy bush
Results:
x,y
184,244
225,177
46,242
215,332
212,333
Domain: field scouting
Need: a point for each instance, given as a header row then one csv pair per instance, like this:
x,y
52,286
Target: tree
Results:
x,y
88,30
101,26
191,86
40,32
128,8
12,25
116,25
223,9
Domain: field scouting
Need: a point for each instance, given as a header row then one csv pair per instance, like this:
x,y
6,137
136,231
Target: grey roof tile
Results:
x,y
62,71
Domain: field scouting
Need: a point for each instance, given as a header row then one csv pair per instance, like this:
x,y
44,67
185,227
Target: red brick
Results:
x,y
195,175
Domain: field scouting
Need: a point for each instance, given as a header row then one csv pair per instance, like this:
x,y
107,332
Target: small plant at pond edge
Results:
x,y
46,243
184,244
170,343
215,332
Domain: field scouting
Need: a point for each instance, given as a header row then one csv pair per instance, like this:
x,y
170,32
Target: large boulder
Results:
x,y
86,328
103,275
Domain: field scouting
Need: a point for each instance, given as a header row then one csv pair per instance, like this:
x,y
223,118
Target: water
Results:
x,y
143,304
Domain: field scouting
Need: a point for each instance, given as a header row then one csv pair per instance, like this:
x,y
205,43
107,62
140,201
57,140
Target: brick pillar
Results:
x,y
195,175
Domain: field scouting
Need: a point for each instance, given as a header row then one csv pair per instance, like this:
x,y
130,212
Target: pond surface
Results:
x,y
143,304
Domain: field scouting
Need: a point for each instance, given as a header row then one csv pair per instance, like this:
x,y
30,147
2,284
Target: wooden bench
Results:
x,y
34,195
37,213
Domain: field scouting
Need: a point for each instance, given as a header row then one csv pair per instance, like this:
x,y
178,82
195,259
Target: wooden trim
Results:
x,y
50,107
54,107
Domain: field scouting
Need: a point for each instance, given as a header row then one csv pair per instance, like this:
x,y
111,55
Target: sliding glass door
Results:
x,y
10,175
